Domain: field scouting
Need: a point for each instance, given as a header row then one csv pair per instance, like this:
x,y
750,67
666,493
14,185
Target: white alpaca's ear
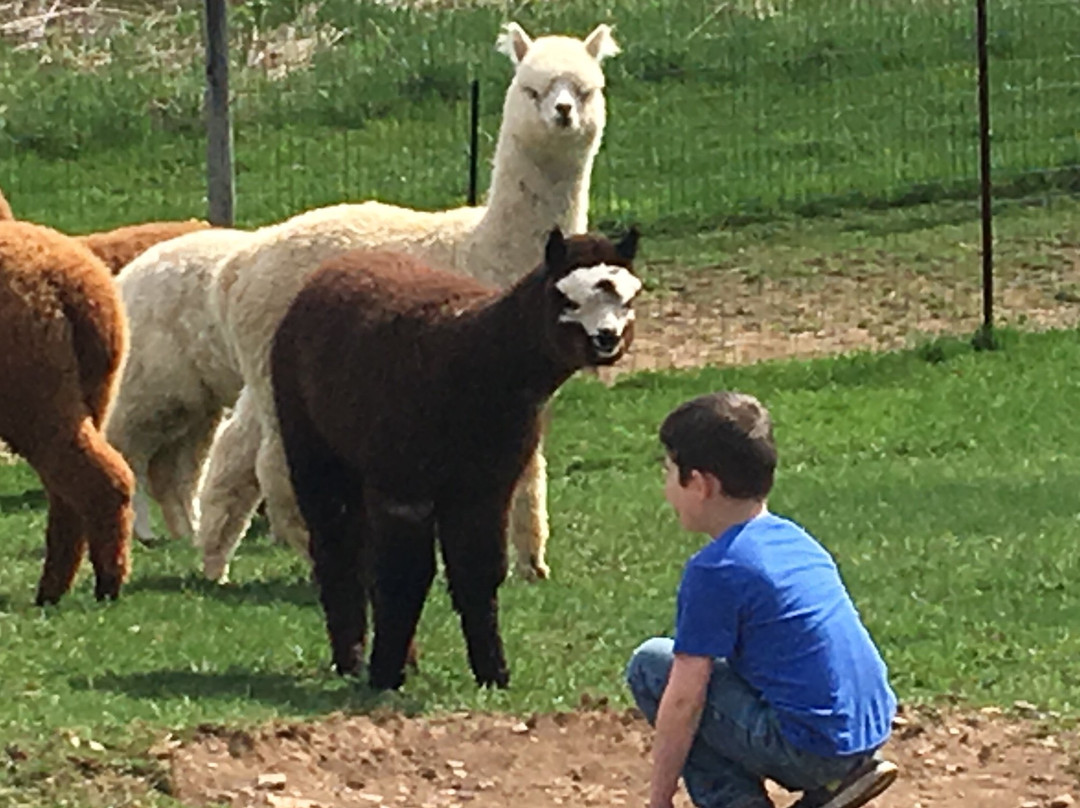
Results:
x,y
600,43
514,42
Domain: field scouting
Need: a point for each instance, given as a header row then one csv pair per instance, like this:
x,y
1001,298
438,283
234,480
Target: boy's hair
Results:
x,y
726,434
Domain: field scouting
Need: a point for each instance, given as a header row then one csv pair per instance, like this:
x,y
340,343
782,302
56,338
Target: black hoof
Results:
x,y
46,599
500,680
107,587
350,663
384,680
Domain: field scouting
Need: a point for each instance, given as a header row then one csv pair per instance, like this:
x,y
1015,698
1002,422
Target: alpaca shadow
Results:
x,y
313,695
297,591
33,499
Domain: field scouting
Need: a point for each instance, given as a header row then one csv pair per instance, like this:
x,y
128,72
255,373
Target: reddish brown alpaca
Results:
x,y
63,338
119,247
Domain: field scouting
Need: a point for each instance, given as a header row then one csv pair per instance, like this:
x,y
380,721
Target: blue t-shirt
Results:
x,y
765,596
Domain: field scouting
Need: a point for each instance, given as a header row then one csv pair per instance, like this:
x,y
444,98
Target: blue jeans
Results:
x,y
738,742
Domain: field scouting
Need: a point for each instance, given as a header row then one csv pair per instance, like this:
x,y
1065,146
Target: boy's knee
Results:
x,y
650,663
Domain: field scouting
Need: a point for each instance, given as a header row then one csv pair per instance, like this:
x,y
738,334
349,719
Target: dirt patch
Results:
x,y
594,757
731,316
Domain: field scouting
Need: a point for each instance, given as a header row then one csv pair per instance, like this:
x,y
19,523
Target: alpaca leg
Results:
x,y
230,490
137,447
529,519
64,548
342,592
404,567
165,487
96,482
474,552
174,475
332,505
144,530
272,471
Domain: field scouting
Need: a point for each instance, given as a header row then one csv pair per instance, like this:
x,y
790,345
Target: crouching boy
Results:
x,y
771,673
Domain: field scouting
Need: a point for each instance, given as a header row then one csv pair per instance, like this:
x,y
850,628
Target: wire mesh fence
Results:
x,y
786,157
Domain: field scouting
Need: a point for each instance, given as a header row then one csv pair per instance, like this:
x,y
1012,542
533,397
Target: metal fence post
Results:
x,y
985,338
219,162
474,132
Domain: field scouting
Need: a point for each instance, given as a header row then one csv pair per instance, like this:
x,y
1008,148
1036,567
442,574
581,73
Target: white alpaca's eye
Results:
x,y
533,94
584,95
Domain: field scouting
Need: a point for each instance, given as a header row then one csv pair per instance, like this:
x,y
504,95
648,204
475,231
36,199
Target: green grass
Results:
x,y
942,479
717,114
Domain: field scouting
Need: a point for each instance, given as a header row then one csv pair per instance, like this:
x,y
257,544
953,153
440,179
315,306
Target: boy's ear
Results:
x,y
710,484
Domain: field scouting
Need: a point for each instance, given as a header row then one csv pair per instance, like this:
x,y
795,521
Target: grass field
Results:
x,y
718,113
757,139
942,479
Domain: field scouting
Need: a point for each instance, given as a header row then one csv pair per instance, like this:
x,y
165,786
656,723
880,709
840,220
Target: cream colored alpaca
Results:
x,y
552,126
179,377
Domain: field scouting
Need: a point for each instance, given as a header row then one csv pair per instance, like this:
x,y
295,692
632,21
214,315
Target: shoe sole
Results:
x,y
859,793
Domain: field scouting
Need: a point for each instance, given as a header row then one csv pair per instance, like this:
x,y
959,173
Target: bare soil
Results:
x,y
591,757
731,316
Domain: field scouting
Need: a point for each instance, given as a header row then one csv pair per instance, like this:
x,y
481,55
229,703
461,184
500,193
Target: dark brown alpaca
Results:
x,y
409,401
63,337
119,247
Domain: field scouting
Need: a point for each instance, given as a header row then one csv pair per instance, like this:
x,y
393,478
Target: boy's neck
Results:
x,y
731,512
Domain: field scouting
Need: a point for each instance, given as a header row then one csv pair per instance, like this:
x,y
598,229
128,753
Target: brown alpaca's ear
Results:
x,y
555,252
626,249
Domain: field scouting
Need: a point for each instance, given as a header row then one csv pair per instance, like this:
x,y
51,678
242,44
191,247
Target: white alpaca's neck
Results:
x,y
531,192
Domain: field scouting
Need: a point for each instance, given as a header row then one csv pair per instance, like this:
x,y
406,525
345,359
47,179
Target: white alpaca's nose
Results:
x,y
563,106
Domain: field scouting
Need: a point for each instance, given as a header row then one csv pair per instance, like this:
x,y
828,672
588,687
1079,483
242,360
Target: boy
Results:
x,y
771,673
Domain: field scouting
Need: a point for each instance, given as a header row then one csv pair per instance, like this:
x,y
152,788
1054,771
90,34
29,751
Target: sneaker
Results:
x,y
865,782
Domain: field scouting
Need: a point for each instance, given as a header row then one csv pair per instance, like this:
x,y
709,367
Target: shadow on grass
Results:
x,y
33,499
293,693
298,591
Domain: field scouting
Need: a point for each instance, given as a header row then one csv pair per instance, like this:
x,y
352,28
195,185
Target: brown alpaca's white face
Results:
x,y
599,300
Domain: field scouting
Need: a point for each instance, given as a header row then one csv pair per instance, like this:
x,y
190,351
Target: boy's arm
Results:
x,y
677,721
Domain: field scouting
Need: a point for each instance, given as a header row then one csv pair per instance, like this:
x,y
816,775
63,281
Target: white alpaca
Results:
x,y
179,376
553,122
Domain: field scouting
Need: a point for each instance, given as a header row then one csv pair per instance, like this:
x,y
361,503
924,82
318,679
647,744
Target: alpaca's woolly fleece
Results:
x,y
179,377
119,247
553,123
6,214
409,401
63,339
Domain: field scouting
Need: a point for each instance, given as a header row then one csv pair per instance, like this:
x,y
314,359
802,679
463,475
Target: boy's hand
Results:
x,y
677,721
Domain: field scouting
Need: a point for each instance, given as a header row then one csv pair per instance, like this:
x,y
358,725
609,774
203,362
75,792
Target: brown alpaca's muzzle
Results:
x,y
608,345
